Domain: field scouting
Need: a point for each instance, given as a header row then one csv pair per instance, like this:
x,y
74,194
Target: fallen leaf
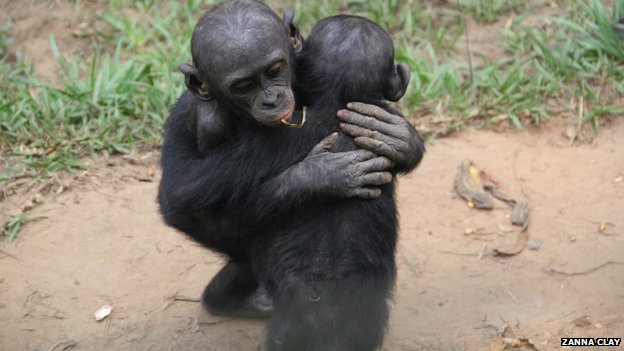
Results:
x,y
468,185
501,196
516,248
103,312
520,215
487,180
582,321
511,344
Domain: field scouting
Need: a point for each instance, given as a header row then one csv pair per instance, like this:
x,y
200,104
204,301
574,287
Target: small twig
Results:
x,y
63,345
513,297
185,299
560,317
175,297
29,298
414,269
580,121
187,269
6,254
459,253
553,271
217,322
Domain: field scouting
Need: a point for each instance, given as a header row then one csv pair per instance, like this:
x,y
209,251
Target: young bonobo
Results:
x,y
262,194
330,267
242,73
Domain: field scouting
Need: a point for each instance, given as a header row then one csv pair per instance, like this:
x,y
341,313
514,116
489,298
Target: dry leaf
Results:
x,y
511,344
468,185
103,312
582,321
516,248
602,226
520,215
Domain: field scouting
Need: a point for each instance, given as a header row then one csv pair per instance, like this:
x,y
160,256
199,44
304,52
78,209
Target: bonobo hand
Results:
x,y
382,132
354,173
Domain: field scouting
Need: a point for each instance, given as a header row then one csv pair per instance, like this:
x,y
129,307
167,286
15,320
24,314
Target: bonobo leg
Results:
x,y
234,292
346,314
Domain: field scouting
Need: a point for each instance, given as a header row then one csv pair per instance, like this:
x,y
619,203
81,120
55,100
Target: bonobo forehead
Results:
x,y
236,36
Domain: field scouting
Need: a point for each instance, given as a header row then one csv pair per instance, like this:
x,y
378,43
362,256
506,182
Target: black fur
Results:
x,y
261,199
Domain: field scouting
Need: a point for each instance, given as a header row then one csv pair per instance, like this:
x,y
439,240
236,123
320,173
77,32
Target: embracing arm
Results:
x,y
321,174
192,182
384,133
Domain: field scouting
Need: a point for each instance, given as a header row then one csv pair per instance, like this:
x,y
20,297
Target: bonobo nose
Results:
x,y
271,99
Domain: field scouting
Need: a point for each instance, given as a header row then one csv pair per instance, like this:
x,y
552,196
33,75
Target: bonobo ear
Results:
x,y
397,84
193,82
296,40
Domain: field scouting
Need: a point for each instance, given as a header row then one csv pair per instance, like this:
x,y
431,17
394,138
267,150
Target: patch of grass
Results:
x,y
117,99
108,104
580,54
489,11
14,225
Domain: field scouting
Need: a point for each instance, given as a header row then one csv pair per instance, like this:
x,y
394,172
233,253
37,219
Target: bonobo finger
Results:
x,y
357,131
358,155
375,111
368,122
378,163
376,178
365,193
378,147
325,144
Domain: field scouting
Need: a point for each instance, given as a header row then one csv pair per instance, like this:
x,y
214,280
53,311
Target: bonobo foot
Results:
x,y
234,292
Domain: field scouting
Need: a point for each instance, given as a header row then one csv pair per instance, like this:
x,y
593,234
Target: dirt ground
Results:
x,y
102,242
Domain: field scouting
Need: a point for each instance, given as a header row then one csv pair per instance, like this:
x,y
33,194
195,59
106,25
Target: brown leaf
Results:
x,y
488,181
516,248
468,185
511,344
520,215
502,196
582,321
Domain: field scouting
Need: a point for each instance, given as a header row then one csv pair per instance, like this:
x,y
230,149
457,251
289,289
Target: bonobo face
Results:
x,y
242,53
258,81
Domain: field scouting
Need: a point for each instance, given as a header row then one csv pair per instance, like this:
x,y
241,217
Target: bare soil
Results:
x,y
103,242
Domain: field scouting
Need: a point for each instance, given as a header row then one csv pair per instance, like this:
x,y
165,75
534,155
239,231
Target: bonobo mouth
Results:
x,y
286,116
287,121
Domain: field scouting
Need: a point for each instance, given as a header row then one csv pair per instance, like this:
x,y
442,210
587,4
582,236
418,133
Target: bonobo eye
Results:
x,y
275,69
242,86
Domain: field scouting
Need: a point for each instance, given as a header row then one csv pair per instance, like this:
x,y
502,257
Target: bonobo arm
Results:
x,y
384,133
192,182
342,174
355,173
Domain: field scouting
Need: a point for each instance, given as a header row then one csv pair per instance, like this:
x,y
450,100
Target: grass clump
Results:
x,y
117,98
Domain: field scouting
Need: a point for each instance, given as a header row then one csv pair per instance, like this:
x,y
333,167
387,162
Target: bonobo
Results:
x,y
329,267
262,195
243,66
241,84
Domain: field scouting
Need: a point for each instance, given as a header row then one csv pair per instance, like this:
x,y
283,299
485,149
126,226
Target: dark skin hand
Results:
x,y
349,174
382,132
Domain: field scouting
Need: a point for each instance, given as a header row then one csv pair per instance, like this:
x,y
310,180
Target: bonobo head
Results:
x,y
242,55
354,56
